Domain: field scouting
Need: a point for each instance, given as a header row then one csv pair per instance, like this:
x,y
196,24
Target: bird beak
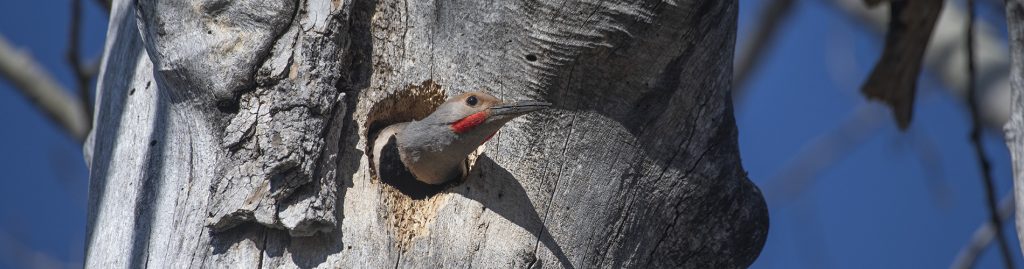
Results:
x,y
515,109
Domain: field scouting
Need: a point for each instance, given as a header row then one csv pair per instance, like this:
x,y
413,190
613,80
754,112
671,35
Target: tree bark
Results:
x,y
1015,125
234,134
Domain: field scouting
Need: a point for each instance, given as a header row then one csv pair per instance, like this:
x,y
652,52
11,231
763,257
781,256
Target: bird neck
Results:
x,y
433,152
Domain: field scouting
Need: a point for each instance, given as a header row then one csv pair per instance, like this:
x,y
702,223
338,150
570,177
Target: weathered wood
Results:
x,y
234,134
1015,125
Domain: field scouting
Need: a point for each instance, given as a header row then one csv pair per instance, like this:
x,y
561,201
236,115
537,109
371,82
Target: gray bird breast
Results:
x,y
433,151
391,171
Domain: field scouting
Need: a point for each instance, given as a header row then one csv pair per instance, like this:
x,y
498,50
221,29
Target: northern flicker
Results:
x,y
434,150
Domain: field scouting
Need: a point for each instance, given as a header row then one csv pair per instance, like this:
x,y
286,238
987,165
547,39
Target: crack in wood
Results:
x,y
554,190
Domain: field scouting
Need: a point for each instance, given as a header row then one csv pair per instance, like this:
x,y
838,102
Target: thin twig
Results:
x,y
822,152
763,36
982,236
931,166
81,75
829,148
40,88
983,162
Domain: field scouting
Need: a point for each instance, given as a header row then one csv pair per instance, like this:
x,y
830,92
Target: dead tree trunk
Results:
x,y
1015,126
233,134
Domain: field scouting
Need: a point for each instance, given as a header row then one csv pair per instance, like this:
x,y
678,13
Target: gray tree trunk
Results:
x,y
1015,126
234,134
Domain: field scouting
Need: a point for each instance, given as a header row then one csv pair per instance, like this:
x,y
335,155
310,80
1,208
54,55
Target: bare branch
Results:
x,y
822,152
767,26
931,165
945,58
893,80
982,236
91,68
82,77
829,148
983,162
41,89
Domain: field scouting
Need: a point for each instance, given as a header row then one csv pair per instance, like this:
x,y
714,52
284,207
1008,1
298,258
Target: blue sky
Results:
x,y
42,203
876,207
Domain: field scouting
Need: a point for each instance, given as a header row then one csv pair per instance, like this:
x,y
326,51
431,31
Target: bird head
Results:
x,y
434,146
480,113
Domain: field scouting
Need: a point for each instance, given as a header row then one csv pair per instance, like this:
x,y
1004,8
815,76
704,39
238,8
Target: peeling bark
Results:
x,y
234,133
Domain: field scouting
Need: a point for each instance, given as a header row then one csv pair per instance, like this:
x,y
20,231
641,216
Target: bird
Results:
x,y
433,151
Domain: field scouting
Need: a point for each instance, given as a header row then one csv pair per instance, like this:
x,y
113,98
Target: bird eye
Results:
x,y
471,101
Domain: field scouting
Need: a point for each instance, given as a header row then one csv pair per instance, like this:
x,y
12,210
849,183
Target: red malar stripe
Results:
x,y
468,123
